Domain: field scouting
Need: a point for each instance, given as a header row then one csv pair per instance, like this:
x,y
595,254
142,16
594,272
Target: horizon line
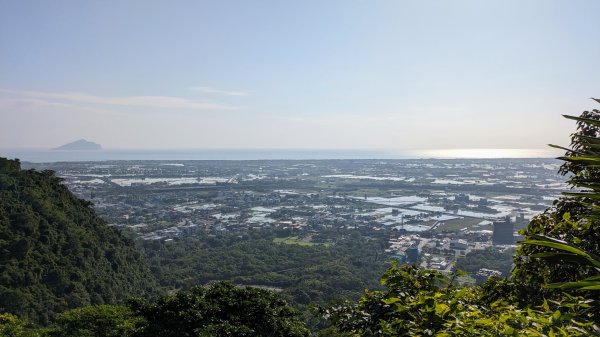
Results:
x,y
49,155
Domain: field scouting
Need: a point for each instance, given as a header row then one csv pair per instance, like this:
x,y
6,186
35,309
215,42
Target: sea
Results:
x,y
49,156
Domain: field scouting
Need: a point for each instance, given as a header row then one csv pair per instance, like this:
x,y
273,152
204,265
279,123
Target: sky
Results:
x,y
395,75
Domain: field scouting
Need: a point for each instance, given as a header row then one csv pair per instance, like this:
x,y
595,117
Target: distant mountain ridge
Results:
x,y
80,145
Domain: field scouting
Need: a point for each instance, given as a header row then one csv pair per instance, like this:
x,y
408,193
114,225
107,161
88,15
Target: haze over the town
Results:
x,y
396,75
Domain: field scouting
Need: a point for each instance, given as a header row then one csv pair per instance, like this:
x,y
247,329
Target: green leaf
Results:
x,y
566,149
584,120
391,300
545,241
572,285
590,195
556,257
441,309
585,159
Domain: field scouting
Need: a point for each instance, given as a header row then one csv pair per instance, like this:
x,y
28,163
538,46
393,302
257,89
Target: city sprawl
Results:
x,y
427,211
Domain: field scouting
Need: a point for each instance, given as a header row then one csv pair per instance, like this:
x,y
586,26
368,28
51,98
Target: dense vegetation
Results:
x,y
221,309
421,302
489,258
316,273
55,253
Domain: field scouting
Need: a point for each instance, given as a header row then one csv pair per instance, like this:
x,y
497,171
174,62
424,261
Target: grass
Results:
x,y
456,225
465,281
294,240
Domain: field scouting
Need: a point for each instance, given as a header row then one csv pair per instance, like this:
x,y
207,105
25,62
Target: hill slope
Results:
x,y
55,252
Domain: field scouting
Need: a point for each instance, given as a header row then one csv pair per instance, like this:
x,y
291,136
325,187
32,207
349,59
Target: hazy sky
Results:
x,y
296,74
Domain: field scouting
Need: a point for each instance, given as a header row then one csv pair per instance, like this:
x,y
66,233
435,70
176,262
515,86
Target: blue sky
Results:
x,y
296,74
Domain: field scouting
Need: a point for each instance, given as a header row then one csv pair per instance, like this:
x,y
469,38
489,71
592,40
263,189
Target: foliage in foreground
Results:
x,y
573,218
221,309
12,326
425,303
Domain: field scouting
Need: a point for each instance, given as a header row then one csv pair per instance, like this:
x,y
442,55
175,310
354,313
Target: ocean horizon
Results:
x,y
47,156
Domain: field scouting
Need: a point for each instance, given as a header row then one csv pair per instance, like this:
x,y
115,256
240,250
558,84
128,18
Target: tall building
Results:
x,y
412,254
503,232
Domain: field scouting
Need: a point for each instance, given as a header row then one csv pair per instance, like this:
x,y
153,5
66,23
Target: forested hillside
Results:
x,y
55,252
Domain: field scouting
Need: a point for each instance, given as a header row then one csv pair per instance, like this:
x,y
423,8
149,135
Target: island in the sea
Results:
x,y
80,145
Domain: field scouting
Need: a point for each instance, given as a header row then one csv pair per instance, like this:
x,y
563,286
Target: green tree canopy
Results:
x,y
221,309
55,252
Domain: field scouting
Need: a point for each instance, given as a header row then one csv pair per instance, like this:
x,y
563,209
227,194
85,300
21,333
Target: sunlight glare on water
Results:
x,y
491,153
